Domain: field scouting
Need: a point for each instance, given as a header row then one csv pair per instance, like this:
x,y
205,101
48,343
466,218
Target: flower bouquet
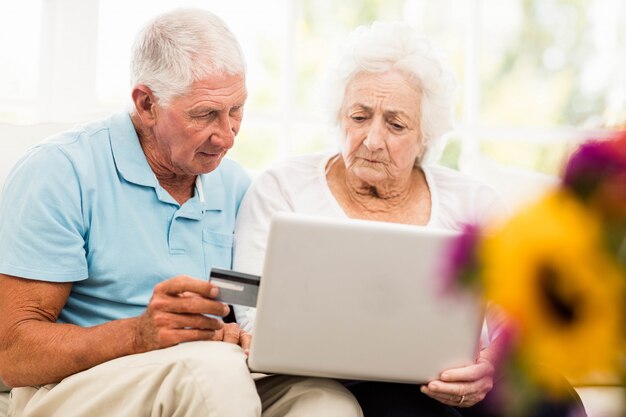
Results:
x,y
557,269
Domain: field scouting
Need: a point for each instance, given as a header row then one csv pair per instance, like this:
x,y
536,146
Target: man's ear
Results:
x,y
145,104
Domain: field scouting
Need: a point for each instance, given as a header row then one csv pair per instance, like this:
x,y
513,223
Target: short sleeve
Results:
x,y
42,228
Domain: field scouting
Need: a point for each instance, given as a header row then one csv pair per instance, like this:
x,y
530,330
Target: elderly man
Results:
x,y
107,236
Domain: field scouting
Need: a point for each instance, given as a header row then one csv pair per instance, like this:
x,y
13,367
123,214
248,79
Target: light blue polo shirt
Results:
x,y
85,207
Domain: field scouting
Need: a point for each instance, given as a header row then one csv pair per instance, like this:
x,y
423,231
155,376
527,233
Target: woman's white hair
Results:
x,y
384,46
177,48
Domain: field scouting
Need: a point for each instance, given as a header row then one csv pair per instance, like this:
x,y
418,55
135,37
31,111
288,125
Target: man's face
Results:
x,y
194,132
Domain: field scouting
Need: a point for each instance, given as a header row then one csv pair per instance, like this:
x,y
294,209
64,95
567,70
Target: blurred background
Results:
x,y
532,72
535,76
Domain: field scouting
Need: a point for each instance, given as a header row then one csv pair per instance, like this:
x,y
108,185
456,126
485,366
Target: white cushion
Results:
x,y
4,403
603,401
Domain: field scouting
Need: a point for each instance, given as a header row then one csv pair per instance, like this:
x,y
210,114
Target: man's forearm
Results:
x,y
38,352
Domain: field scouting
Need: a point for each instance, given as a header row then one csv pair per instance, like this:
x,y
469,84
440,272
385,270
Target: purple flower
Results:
x,y
594,163
459,265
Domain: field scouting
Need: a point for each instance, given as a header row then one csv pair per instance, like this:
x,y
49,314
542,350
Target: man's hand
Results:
x,y
176,314
462,387
232,333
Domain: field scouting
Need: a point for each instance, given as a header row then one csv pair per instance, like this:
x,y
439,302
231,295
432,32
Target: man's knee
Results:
x,y
214,375
221,370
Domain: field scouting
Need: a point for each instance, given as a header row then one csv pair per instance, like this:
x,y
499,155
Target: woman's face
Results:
x,y
380,121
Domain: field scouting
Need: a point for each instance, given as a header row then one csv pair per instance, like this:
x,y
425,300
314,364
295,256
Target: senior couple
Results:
x,y
108,233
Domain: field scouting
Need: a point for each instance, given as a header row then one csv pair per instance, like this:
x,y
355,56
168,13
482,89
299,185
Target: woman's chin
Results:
x,y
370,176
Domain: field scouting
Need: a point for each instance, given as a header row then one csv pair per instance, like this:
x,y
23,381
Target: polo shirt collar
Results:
x,y
129,158
132,164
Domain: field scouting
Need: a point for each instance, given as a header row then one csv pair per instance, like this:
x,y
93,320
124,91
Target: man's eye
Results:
x,y
358,118
397,126
206,115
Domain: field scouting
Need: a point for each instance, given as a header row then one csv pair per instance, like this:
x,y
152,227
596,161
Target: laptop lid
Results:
x,y
359,299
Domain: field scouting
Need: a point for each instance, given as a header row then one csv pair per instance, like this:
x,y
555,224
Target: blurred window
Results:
x,y
531,71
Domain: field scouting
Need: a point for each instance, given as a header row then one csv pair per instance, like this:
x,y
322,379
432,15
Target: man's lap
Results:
x,y
191,379
207,378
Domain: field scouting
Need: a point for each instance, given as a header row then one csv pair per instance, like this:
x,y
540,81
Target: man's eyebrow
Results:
x,y
203,109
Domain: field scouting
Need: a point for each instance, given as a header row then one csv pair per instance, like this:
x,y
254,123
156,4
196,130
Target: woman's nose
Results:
x,y
375,136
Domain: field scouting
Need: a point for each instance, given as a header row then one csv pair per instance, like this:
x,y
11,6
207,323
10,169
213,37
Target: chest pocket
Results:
x,y
218,249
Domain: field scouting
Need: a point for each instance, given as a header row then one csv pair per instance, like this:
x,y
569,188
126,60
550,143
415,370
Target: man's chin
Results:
x,y
211,163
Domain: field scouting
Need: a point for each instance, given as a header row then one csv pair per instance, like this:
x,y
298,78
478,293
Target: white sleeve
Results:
x,y
264,198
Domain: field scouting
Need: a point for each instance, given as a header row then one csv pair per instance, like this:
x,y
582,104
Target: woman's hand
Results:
x,y
463,387
232,333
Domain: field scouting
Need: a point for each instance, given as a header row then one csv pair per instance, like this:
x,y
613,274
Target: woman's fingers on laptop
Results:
x,y
462,387
451,394
483,368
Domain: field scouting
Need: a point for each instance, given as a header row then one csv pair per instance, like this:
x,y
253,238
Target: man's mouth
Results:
x,y
212,154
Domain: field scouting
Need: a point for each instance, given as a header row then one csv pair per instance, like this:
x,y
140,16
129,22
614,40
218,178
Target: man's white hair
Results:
x,y
385,46
177,48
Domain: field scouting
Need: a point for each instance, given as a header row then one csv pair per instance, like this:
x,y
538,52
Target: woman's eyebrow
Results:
x,y
395,113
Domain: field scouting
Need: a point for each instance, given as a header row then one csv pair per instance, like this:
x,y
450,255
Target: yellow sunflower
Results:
x,y
548,269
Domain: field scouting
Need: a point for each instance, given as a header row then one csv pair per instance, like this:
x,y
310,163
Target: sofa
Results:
x,y
601,398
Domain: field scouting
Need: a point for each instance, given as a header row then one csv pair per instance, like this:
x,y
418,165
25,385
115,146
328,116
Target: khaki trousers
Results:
x,y
204,379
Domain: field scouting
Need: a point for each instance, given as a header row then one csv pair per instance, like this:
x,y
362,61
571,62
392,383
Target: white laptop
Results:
x,y
356,299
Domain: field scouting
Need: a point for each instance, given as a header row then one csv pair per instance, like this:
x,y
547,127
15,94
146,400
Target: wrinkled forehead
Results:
x,y
223,90
393,90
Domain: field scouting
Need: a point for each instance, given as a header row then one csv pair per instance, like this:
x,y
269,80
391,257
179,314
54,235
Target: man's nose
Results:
x,y
224,136
375,135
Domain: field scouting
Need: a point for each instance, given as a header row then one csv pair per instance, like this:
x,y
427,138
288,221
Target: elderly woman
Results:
x,y
393,104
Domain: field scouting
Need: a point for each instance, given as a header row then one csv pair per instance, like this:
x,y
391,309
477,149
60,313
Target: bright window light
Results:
x,y
20,24
530,71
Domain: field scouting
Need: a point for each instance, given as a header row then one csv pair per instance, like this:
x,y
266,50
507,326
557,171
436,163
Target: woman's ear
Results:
x,y
145,104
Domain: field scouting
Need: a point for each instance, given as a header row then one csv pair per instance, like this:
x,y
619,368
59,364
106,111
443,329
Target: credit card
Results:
x,y
236,288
